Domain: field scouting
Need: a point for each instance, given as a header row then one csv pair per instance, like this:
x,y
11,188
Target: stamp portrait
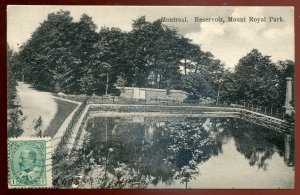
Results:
x,y
29,162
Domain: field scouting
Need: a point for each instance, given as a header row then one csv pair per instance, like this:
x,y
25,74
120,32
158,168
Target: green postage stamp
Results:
x,y
29,162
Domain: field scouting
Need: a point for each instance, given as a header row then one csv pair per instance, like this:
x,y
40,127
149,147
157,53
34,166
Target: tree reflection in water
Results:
x,y
257,144
190,145
152,152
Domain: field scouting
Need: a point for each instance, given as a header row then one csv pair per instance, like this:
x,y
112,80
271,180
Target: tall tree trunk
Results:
x,y
22,75
155,74
106,89
185,66
158,83
218,94
196,68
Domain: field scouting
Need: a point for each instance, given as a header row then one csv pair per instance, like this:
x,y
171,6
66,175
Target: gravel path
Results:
x,y
35,103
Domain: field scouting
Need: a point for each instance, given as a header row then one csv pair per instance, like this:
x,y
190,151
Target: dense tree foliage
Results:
x,y
15,115
285,69
11,80
63,55
72,57
259,81
15,122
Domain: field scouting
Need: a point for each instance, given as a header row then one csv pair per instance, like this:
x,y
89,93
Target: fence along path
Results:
x,y
274,123
269,111
243,113
64,135
60,133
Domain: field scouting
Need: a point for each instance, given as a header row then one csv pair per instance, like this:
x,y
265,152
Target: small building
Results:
x,y
149,94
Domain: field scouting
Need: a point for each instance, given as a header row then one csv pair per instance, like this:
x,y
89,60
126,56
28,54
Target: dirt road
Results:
x,y
35,103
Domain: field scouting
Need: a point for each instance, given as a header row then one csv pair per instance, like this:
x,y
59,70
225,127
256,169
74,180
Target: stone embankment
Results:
x,y
191,111
75,139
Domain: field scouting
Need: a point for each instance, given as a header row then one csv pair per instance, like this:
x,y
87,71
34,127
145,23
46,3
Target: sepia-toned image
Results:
x,y
150,97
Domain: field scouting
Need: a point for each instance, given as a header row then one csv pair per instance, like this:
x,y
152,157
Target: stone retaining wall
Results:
x,y
257,118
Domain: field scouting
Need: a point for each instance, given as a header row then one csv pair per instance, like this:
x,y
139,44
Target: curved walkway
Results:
x,y
34,104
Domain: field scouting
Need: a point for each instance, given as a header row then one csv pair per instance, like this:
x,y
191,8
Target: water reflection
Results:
x,y
140,152
289,150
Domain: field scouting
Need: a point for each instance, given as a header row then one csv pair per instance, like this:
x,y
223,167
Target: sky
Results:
x,y
228,41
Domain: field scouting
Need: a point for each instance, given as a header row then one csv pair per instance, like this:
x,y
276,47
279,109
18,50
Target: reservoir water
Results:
x,y
186,153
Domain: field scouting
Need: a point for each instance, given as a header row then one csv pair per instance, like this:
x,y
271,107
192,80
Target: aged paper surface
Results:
x,y
151,97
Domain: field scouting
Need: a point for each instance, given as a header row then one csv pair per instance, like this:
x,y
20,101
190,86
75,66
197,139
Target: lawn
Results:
x,y
64,109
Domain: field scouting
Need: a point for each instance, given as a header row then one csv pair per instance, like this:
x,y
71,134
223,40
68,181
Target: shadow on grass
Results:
x,y
64,109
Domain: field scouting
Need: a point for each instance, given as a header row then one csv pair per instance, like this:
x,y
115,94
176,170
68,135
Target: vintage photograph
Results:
x,y
150,97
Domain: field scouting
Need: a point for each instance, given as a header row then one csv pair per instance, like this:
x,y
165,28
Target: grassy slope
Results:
x,y
64,109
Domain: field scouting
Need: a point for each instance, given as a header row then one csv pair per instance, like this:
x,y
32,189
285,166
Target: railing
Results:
x,y
275,124
269,111
77,138
72,123
151,101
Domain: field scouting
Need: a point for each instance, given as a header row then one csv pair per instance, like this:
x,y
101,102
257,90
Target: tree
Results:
x,y
154,54
54,57
168,60
121,81
105,59
81,46
63,55
142,42
202,60
285,69
215,75
11,78
189,54
107,68
205,78
38,126
46,54
197,86
256,80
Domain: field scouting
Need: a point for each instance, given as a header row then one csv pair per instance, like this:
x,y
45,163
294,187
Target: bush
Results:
x,y
15,122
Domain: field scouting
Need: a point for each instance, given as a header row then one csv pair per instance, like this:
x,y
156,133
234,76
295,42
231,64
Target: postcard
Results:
x,y
150,97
